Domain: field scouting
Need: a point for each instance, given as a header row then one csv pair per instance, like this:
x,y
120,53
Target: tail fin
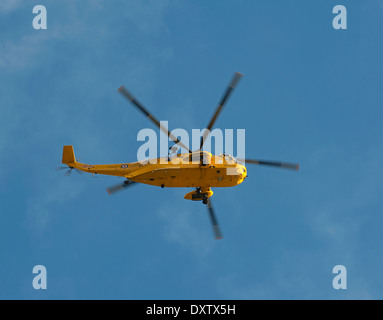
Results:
x,y
68,155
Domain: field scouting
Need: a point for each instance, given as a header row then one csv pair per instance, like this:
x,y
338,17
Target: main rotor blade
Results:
x,y
214,221
284,165
228,91
118,187
135,102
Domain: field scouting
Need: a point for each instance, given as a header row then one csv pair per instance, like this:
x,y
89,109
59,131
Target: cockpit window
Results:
x,y
228,158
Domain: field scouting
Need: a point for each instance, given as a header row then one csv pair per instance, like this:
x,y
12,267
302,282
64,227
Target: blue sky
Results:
x,y
310,94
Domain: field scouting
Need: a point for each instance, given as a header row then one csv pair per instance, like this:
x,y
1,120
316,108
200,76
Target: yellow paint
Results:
x,y
183,170
198,195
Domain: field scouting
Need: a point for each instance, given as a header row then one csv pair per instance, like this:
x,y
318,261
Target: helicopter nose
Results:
x,y
244,173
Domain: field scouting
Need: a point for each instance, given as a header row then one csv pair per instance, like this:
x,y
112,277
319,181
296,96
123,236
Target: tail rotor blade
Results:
x,y
214,221
69,170
78,171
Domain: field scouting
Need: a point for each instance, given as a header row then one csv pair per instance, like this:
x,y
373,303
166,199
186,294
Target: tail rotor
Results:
x,y
69,170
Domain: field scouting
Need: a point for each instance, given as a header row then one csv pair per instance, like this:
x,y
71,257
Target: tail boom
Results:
x,y
120,170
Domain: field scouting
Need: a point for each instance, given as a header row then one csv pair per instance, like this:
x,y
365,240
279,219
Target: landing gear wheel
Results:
x,y
204,200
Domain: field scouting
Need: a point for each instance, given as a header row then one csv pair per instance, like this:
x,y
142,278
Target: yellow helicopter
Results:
x,y
199,169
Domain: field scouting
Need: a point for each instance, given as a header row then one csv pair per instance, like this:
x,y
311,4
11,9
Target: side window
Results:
x,y
196,158
187,159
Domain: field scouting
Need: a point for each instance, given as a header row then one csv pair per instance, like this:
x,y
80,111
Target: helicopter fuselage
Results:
x,y
198,169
